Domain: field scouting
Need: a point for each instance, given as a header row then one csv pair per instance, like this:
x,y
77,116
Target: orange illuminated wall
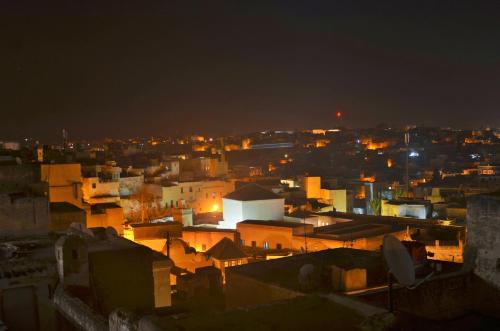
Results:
x,y
203,240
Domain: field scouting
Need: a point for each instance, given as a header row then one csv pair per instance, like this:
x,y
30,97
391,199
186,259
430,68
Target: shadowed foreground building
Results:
x,y
104,272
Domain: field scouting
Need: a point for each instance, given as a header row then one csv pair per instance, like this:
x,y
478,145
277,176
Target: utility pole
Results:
x,y
305,235
407,143
168,243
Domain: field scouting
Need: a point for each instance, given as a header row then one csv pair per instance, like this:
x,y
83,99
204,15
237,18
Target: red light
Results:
x,y
339,114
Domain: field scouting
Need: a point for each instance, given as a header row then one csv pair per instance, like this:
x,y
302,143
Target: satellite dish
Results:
x,y
306,276
398,260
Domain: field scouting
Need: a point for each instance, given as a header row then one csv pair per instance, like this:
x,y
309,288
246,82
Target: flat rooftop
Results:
x,y
282,224
284,271
301,313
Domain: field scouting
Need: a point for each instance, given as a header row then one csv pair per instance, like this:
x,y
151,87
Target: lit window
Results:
x,y
265,245
226,264
233,263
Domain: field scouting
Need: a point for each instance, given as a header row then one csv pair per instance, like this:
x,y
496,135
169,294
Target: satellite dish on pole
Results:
x,y
398,260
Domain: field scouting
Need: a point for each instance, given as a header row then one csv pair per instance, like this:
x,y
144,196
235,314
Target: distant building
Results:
x,y
65,182
204,167
153,235
201,196
251,201
406,208
105,215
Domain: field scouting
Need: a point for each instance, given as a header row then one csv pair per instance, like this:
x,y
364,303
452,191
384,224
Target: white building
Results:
x,y
397,208
251,202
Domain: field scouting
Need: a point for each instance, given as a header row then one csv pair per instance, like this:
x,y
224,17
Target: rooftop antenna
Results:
x,y
400,266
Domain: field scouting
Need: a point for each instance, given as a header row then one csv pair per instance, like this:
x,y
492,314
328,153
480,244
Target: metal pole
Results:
x,y
390,296
305,236
407,142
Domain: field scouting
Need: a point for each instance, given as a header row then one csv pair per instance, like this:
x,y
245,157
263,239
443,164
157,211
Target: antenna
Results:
x,y
407,143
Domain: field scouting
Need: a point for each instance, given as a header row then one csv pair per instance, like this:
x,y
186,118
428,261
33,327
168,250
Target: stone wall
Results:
x,y
483,237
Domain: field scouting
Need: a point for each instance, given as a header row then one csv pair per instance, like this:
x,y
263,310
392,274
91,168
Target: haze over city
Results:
x,y
223,67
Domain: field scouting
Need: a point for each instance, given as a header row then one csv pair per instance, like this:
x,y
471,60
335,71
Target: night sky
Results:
x,y
142,68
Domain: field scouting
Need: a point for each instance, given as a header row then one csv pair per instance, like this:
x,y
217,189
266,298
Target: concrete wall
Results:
x,y
337,198
266,210
272,235
23,216
232,213
60,221
403,210
111,217
312,186
65,182
204,240
92,194
201,196
78,313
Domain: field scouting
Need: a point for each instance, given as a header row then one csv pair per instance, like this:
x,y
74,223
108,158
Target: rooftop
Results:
x,y
284,271
283,224
226,249
301,313
64,207
252,192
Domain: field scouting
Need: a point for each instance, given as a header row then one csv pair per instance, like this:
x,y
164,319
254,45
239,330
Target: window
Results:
x,y
203,247
177,204
226,264
233,263
190,189
242,242
94,185
265,245
213,195
278,246
254,244
182,190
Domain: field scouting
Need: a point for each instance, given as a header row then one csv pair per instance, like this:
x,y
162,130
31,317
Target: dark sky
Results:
x,y
144,68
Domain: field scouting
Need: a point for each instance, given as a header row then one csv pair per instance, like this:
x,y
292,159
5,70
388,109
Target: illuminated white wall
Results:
x,y
234,211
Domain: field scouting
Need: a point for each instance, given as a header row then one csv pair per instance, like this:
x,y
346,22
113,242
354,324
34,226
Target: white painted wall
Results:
x,y
264,210
234,211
